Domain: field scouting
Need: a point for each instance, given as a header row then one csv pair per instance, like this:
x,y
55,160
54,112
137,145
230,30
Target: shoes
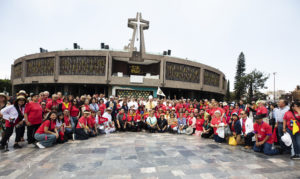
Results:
x,y
39,145
6,148
17,146
295,157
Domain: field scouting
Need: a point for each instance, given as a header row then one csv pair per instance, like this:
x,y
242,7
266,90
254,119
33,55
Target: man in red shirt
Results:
x,y
52,104
263,137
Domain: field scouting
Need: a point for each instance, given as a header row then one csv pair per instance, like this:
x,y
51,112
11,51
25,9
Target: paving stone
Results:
x,y
144,155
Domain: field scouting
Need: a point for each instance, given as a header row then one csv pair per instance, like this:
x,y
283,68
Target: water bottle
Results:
x,y
291,123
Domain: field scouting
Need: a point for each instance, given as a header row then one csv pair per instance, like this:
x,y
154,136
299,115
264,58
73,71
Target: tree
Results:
x,y
5,85
227,96
255,81
239,85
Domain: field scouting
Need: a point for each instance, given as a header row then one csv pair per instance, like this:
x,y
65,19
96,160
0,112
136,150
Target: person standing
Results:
x,y
33,117
13,115
290,119
278,115
3,104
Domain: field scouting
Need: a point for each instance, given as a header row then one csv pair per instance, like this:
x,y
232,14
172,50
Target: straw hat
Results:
x,y
4,95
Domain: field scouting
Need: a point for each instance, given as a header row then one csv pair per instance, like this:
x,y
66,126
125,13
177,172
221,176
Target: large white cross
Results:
x,y
139,25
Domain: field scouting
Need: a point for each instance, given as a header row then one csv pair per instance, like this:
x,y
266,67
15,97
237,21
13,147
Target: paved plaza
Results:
x,y
144,155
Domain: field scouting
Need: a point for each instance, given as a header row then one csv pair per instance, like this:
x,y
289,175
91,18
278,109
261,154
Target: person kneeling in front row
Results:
x,y
82,130
263,137
46,135
151,122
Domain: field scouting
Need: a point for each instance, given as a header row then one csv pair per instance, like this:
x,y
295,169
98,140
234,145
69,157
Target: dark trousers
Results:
x,y
8,133
248,139
207,135
81,134
122,124
22,131
161,130
218,139
30,133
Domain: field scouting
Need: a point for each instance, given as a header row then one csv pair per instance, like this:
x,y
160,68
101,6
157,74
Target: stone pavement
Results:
x,y
144,155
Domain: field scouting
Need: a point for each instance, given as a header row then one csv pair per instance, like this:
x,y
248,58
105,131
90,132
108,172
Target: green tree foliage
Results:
x,y
239,85
255,81
227,96
5,85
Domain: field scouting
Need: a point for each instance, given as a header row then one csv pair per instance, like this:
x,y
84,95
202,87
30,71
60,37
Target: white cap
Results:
x,y
150,97
217,111
286,139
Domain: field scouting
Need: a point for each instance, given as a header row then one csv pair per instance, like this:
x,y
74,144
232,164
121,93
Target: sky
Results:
x,y
213,32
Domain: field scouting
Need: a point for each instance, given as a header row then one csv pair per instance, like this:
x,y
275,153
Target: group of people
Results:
x,y
61,118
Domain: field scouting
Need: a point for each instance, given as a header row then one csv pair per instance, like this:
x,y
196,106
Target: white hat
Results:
x,y
173,108
150,97
286,139
111,97
217,111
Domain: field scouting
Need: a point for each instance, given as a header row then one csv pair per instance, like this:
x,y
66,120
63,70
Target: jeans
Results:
x,y
47,140
74,121
280,134
266,148
295,149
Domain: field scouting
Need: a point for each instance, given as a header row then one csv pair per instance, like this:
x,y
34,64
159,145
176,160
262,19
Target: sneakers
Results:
x,y
39,145
17,146
295,157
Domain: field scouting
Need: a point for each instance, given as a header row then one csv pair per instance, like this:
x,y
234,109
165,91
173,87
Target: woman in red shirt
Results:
x,y
47,134
67,124
290,117
82,129
199,125
33,117
74,113
102,106
216,123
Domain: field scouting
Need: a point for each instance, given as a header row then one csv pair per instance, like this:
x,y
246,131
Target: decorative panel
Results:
x,y
83,65
133,93
40,67
211,78
180,72
18,70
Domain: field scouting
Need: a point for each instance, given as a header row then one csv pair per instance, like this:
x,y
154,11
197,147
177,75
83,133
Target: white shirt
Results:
x,y
133,103
108,116
279,113
10,112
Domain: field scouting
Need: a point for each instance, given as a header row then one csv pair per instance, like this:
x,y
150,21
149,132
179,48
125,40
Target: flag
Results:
x,y
160,92
295,127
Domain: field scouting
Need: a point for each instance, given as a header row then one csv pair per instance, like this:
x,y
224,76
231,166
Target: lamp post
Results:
x,y
274,73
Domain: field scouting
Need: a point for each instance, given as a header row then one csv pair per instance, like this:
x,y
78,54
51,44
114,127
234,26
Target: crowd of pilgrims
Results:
x,y
57,119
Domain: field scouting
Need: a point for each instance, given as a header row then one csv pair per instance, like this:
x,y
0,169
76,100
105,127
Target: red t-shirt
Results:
x,y
67,120
66,106
199,124
34,112
47,123
130,118
262,131
87,107
238,111
91,121
102,108
50,104
82,121
217,121
261,110
288,117
74,111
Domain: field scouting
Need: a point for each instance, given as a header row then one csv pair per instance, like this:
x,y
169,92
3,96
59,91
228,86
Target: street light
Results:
x,y
274,73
